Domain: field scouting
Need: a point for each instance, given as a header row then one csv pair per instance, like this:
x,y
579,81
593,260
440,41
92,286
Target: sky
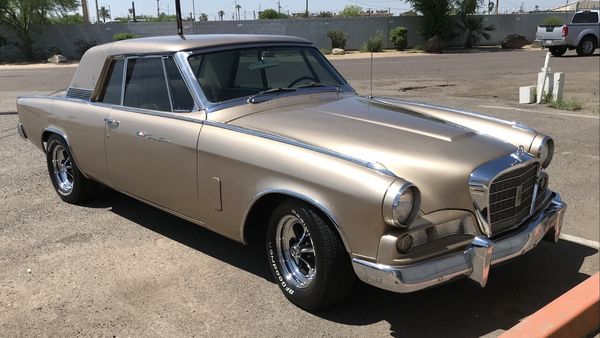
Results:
x,y
212,7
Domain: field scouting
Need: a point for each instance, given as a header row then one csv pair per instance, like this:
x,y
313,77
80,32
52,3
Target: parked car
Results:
x,y
581,34
260,139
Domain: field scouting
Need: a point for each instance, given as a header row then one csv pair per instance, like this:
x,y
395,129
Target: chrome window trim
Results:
x,y
187,73
123,80
167,84
481,178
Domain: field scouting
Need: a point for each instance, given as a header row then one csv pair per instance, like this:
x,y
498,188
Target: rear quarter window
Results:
x,y
585,17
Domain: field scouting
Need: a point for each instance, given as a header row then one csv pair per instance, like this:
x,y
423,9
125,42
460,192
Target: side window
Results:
x,y
111,93
585,17
180,95
145,85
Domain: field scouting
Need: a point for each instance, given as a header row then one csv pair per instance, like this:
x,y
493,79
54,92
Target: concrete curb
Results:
x,y
574,314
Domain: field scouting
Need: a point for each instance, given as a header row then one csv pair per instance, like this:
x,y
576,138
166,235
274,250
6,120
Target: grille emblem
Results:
x,y
518,195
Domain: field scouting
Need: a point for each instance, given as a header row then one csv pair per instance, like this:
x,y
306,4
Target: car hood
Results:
x,y
435,155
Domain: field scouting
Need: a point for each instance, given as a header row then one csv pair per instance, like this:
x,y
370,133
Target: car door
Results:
x,y
150,149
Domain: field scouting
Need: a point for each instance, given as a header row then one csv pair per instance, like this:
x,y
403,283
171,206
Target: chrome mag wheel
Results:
x,y
62,169
295,251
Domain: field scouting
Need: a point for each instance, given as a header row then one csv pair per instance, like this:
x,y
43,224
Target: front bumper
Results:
x,y
474,262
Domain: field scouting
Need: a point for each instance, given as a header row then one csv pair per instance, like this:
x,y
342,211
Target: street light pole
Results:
x,y
193,10
306,13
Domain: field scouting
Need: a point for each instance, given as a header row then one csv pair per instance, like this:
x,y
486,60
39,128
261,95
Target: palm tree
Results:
x,y
474,29
104,13
238,7
221,13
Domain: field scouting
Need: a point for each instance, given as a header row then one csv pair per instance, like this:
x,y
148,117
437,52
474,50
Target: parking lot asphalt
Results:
x,y
117,267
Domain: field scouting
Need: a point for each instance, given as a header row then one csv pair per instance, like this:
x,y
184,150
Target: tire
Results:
x,y
558,51
587,46
67,179
289,253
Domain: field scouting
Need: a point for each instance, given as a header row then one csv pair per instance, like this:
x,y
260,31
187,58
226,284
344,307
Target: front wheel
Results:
x,y
586,46
558,51
67,179
307,257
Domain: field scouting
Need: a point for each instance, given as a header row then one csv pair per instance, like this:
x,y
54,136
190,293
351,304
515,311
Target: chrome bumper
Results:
x,y
21,131
473,263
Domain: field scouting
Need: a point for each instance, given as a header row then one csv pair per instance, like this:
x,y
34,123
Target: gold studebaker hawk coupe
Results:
x,y
260,139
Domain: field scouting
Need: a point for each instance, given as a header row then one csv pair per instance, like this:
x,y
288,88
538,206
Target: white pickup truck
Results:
x,y
581,34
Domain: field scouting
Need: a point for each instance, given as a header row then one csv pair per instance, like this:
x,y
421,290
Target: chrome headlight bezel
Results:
x,y
544,149
401,204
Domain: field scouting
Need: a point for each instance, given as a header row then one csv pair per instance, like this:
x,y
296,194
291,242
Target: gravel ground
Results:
x,y
117,267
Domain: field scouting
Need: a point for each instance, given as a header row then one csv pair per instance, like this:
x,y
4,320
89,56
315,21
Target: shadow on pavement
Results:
x,y
514,291
184,232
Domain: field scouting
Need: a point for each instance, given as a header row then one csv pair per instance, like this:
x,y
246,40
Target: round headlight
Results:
x,y
401,204
546,152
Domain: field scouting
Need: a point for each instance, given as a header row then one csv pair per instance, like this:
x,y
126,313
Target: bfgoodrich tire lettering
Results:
x,y
67,179
307,258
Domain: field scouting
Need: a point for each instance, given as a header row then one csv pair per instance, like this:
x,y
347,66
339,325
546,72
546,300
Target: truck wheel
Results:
x,y
307,257
558,51
586,46
67,179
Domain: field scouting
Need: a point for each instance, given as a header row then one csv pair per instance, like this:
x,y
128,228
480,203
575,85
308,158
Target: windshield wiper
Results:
x,y
311,85
254,98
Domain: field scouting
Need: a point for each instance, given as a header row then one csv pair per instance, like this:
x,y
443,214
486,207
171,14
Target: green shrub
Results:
x,y
338,38
374,44
399,38
553,21
124,36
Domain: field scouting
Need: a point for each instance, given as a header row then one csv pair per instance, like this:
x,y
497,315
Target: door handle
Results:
x,y
112,122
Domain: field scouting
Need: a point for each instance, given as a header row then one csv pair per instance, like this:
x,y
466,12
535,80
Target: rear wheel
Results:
x,y
307,258
67,179
587,46
558,51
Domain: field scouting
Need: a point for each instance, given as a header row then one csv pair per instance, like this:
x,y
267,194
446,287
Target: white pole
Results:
x,y
545,71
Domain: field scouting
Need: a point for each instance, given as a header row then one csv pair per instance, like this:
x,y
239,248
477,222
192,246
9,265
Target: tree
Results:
x,y
325,14
435,18
22,15
85,10
475,30
471,24
66,19
104,13
221,14
271,14
203,17
351,11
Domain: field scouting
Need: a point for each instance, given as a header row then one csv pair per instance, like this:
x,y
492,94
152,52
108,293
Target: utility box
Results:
x,y
547,80
557,86
527,94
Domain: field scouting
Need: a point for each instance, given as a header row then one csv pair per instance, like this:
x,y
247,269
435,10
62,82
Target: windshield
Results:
x,y
233,74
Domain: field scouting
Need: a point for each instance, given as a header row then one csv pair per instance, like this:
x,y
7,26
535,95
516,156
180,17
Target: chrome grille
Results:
x,y
510,197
